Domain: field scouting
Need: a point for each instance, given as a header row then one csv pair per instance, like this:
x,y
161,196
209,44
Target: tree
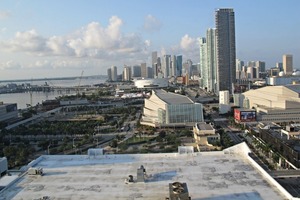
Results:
x,y
162,134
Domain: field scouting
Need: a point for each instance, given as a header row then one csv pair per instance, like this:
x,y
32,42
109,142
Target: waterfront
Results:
x,y
22,99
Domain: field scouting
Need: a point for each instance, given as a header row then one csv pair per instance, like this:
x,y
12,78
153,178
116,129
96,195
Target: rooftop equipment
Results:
x,y
178,191
35,171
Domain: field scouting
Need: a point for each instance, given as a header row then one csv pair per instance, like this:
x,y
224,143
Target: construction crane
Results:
x,y
79,84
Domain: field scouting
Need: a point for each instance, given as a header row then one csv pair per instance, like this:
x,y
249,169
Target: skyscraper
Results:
x,y
109,74
179,65
127,73
136,71
208,68
144,70
114,73
225,46
173,66
287,62
154,63
166,65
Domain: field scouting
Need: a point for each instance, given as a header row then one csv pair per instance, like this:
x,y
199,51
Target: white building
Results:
x,y
127,73
170,109
208,65
224,102
205,134
274,103
114,73
284,80
151,83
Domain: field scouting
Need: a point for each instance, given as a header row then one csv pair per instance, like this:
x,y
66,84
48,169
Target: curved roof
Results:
x,y
172,98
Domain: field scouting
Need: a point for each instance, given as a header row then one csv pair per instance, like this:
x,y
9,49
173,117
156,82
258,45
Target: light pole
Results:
x,y
74,145
49,149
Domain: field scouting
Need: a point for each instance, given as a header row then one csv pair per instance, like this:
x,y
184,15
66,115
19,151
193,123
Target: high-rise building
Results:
x,y
174,66
109,74
114,73
149,72
144,70
166,65
279,66
208,65
225,46
154,63
287,61
127,73
179,65
261,66
136,71
239,64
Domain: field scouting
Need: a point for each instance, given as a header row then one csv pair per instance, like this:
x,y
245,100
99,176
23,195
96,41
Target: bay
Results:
x,y
23,99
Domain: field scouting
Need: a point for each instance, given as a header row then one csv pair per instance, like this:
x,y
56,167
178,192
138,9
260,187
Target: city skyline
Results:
x,y
55,39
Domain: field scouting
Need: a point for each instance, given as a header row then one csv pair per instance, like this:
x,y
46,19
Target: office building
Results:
x,y
224,102
114,73
279,65
150,72
167,109
109,74
261,65
127,73
166,66
155,63
225,46
239,64
173,66
144,70
136,71
208,65
179,65
287,63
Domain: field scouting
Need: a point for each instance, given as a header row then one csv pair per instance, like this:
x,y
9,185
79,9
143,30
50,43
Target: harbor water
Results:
x,y
24,99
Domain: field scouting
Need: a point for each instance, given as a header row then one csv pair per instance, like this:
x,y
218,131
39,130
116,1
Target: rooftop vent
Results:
x,y
141,172
178,191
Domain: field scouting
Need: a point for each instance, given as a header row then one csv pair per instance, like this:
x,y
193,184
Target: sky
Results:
x,y
62,38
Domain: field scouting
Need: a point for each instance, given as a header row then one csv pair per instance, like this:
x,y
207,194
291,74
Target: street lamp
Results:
x,y
49,149
74,145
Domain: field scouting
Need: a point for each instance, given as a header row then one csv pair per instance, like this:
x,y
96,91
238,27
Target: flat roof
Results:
x,y
172,98
204,126
208,175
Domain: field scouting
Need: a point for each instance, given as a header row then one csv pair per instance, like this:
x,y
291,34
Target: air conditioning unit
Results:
x,y
35,171
178,191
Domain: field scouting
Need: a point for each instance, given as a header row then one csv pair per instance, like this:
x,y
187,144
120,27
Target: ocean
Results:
x,y
23,99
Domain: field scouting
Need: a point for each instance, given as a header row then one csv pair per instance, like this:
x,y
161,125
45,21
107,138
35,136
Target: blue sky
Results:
x,y
44,39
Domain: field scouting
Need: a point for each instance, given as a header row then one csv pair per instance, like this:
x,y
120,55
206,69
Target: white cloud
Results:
x,y
92,40
187,42
4,14
152,24
10,65
28,41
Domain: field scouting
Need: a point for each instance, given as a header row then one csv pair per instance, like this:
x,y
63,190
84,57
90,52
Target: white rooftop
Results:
x,y
208,175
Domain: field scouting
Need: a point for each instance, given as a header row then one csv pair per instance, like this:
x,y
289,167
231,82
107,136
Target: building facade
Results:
x,y
287,62
114,73
170,109
208,65
127,73
226,55
8,111
274,103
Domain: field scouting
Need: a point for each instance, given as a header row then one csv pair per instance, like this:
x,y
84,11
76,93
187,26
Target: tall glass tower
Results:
x,y
225,42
